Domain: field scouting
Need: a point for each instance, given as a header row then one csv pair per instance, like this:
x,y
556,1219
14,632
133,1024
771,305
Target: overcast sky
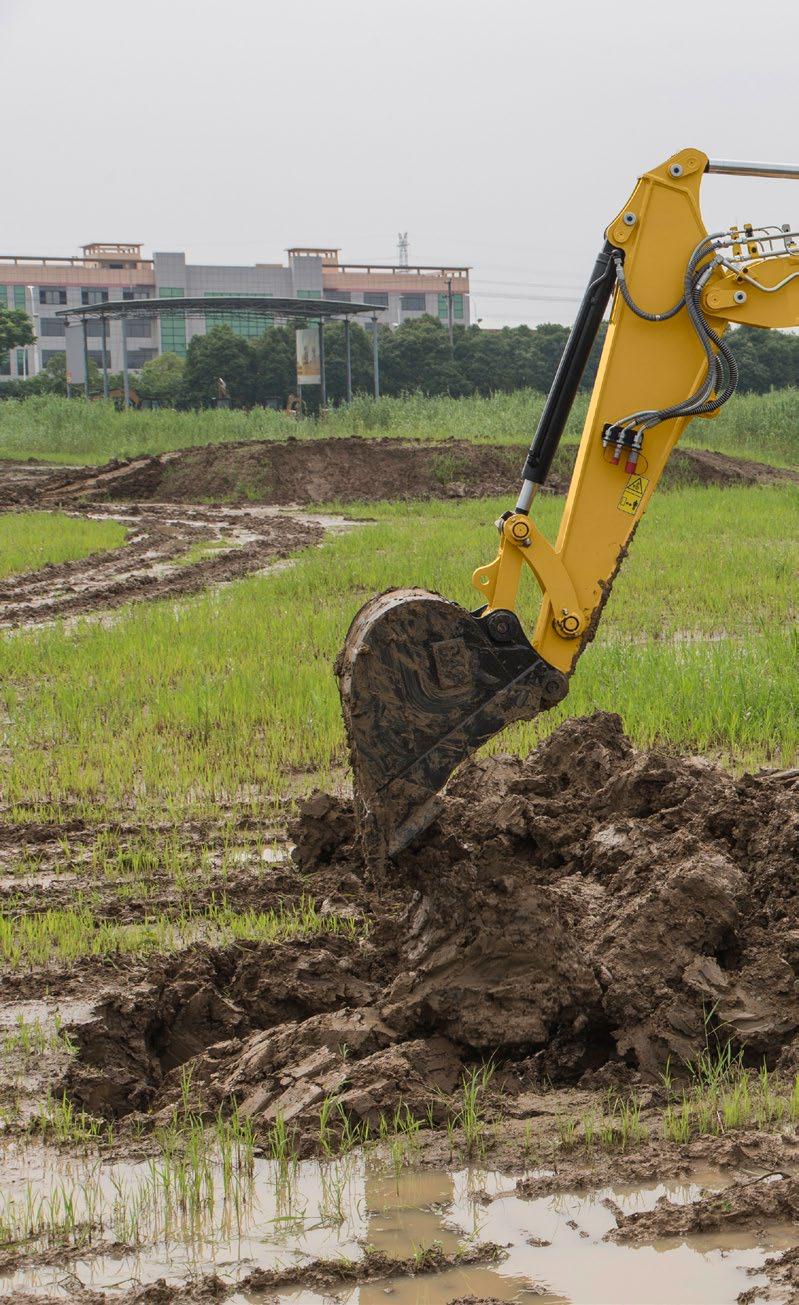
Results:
x,y
504,135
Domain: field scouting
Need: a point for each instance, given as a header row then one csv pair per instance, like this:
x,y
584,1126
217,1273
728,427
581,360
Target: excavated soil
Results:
x,y
580,916
335,470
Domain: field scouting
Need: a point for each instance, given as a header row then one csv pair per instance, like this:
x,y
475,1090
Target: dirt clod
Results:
x,y
772,1199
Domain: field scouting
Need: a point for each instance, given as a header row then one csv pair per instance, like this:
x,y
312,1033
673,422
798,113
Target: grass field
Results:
x,y
29,540
765,427
232,695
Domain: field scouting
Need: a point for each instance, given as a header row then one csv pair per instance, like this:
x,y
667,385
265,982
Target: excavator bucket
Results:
x,y
423,683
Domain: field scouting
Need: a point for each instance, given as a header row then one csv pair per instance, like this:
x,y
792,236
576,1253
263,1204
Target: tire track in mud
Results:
x,y
170,552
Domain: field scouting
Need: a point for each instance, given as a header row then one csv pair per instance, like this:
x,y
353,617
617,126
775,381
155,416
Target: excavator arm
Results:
x,y
423,681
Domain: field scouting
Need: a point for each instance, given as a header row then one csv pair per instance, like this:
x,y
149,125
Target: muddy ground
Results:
x,y
573,916
335,470
579,919
169,552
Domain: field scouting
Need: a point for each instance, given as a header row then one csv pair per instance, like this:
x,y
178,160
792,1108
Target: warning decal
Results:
x,y
633,493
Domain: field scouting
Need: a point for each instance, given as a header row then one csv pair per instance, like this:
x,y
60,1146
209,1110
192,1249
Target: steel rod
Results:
x,y
738,168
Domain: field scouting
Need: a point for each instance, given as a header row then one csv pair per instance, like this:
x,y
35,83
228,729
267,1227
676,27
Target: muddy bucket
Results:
x,y
424,683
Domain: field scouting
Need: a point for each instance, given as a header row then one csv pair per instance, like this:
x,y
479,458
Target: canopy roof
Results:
x,y
248,305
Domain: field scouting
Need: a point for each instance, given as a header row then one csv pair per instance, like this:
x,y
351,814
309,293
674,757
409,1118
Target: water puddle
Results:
x,y
228,1212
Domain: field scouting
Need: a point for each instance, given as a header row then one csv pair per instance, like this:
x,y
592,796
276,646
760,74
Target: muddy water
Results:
x,y
279,1218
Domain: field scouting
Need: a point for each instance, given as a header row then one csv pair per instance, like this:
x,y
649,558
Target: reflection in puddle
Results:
x,y
276,1216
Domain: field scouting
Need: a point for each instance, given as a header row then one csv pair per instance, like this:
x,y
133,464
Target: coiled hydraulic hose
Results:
x,y
722,369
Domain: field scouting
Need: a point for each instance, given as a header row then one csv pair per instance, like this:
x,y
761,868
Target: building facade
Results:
x,y
42,285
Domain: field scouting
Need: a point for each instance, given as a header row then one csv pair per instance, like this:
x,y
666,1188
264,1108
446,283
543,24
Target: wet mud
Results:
x,y
298,471
581,917
578,919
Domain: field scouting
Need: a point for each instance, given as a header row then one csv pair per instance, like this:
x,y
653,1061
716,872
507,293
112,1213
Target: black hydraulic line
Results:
x,y
571,367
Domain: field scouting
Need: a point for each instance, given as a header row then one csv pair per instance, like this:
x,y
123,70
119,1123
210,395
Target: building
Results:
x,y
41,285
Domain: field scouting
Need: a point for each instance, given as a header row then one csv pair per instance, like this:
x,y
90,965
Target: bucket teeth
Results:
x,y
424,683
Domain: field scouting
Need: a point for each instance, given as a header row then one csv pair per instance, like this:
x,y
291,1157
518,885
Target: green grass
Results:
x,y
232,695
29,540
71,431
46,937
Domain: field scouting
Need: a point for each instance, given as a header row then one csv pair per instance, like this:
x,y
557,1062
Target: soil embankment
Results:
x,y
335,470
580,916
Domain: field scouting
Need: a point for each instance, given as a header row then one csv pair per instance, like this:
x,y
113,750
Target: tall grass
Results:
x,y
232,694
29,540
60,430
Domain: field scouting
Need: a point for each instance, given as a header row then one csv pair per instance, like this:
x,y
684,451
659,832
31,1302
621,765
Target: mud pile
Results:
x,y
580,915
303,471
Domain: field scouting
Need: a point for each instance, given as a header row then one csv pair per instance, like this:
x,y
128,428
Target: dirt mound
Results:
x,y
591,908
354,470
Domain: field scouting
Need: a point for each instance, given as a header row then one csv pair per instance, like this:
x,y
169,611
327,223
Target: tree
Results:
x,y
336,360
16,329
417,356
161,379
275,365
221,354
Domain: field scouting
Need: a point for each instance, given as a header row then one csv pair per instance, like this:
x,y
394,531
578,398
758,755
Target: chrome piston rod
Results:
x,y
737,168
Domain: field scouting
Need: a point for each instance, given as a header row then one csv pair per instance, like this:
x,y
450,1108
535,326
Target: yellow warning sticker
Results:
x,y
634,490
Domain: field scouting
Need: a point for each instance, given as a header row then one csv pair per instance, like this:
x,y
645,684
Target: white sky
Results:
x,y
504,134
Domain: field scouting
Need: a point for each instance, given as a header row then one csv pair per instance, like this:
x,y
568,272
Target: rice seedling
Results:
x,y
469,1121
281,1142
61,936
61,1121
567,1131
28,1038
620,1125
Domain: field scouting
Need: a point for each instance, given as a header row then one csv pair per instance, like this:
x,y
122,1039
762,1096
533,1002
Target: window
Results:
x,y
309,294
47,354
248,325
141,327
96,356
5,364
22,367
344,296
49,296
138,357
94,296
457,308
412,303
379,298
20,298
3,296
173,329
143,293
52,326
94,330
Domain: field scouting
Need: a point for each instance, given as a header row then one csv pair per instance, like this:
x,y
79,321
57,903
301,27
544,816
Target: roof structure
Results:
x,y
247,305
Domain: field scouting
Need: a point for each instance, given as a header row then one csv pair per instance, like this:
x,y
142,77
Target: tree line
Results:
x,y
416,356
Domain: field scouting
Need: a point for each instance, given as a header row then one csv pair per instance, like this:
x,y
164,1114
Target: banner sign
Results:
x,y
309,369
